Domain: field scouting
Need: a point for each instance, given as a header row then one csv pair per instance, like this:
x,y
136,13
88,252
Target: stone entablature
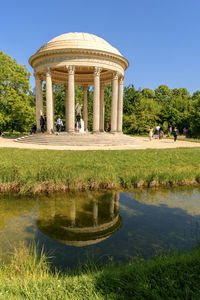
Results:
x,y
80,59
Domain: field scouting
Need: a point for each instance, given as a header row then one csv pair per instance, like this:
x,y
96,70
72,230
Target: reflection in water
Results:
x,y
75,227
81,220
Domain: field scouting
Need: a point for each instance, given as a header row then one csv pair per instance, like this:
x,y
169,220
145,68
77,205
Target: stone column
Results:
x,y
117,200
39,100
95,213
102,108
53,103
73,213
112,206
49,102
66,106
85,107
114,103
71,101
120,105
96,100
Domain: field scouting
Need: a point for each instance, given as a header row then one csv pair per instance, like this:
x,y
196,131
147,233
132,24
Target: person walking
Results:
x,y
175,133
59,124
150,133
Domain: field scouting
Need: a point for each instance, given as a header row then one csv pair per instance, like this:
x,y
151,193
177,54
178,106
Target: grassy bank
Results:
x,y
175,276
35,171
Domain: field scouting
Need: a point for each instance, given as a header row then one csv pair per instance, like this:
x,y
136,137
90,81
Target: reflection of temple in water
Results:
x,y
80,220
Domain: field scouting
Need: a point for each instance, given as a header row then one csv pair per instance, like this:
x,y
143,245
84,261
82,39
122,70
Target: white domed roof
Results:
x,y
79,40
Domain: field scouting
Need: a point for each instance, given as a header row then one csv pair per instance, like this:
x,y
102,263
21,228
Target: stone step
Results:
x,y
66,139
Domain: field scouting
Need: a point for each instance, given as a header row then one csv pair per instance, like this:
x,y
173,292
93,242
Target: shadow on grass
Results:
x,y
173,276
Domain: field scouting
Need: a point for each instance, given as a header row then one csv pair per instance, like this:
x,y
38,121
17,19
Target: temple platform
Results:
x,y
79,139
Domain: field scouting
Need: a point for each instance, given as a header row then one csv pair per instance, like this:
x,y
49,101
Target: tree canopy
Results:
x,y
17,109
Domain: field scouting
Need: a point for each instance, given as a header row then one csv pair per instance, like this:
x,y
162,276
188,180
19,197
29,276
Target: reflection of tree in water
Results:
x,y
12,206
80,219
186,198
15,223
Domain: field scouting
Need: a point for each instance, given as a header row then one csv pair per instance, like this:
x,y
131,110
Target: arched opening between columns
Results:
x,y
98,105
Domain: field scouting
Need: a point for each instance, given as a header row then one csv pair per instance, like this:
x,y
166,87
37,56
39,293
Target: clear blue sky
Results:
x,y
160,38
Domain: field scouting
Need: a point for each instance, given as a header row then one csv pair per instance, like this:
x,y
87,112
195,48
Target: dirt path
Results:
x,y
136,143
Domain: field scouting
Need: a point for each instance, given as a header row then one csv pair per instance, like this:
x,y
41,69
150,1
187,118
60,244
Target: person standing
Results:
x,y
157,131
185,131
170,130
161,133
150,133
175,133
59,124
108,126
78,121
42,123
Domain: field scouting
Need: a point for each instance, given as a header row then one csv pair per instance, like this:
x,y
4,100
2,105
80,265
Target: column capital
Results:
x,y
115,76
37,76
71,70
121,80
97,71
85,86
48,72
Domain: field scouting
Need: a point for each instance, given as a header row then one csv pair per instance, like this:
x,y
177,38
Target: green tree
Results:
x,y
17,108
148,93
130,97
140,110
162,93
175,108
194,115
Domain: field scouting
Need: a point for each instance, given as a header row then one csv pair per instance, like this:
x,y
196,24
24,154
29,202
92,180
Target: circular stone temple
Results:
x,y
85,60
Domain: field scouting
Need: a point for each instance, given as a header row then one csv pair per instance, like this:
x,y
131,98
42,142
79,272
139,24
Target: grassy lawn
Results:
x,y
185,139
174,276
34,171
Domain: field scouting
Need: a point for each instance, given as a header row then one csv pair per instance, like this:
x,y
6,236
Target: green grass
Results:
x,y
185,139
34,171
15,133
173,276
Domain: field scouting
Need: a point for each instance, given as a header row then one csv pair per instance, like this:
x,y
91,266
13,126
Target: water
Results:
x,y
72,228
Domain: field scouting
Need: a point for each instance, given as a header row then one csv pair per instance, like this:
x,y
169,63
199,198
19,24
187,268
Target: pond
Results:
x,y
73,228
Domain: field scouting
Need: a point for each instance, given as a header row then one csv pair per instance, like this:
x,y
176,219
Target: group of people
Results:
x,y
43,124
159,132
59,124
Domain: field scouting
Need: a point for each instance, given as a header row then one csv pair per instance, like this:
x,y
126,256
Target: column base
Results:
x,y
70,131
95,132
51,131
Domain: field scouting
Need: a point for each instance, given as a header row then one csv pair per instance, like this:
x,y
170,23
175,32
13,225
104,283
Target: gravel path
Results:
x,y
91,142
